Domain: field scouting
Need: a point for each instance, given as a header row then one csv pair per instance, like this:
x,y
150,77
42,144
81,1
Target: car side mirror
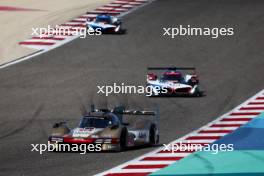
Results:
x,y
125,124
57,125
152,77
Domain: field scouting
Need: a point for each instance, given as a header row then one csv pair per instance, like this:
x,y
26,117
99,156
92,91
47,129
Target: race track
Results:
x,y
51,87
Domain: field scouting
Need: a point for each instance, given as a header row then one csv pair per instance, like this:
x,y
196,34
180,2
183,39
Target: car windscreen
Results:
x,y
94,122
172,77
103,20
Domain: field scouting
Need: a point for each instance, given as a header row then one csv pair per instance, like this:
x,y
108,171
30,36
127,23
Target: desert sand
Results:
x,y
17,26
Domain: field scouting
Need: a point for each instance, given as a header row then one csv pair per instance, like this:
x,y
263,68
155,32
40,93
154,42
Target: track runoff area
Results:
x,y
156,160
53,37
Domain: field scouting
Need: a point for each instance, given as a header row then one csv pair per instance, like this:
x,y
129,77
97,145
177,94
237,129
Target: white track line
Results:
x,y
221,128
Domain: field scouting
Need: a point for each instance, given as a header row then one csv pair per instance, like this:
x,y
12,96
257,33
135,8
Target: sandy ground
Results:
x,y
17,26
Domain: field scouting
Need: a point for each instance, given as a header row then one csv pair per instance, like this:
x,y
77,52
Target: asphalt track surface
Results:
x,y
51,87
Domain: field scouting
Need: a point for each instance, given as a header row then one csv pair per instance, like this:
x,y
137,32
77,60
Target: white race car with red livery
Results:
x,y
173,81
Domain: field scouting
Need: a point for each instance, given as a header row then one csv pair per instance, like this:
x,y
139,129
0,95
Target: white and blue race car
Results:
x,y
173,82
107,24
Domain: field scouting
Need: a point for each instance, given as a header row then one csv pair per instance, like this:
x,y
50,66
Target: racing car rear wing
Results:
x,y
136,112
154,115
121,110
171,68
127,112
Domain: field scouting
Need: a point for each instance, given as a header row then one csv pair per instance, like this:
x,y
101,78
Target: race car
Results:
x,y
173,82
106,23
115,129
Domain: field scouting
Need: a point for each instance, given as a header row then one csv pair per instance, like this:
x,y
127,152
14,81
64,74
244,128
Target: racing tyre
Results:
x,y
153,138
123,140
198,93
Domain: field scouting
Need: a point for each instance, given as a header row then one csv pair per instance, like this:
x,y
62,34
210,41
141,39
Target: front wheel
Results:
x,y
123,141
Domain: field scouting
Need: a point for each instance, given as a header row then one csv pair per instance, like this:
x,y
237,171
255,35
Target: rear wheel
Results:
x,y
153,138
197,92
